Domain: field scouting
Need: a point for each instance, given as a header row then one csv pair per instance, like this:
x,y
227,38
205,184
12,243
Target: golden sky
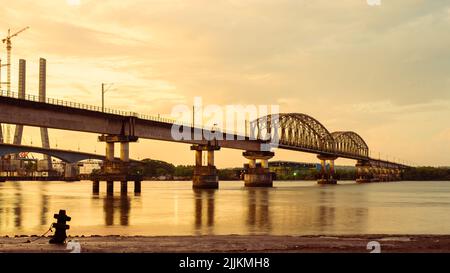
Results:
x,y
382,71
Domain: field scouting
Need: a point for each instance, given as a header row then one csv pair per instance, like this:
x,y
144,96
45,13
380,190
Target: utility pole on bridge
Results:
x,y
105,88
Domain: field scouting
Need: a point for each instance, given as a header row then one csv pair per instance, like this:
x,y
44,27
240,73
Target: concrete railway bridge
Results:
x,y
291,131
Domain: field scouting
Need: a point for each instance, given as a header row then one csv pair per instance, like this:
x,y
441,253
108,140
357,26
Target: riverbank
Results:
x,y
234,243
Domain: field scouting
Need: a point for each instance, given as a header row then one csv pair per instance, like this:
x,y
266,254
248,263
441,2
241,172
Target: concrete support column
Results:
x,y
198,158
381,174
109,187
137,186
124,186
110,151
358,172
323,168
118,170
252,163
331,168
95,187
384,175
265,163
258,176
125,151
363,172
211,158
327,175
391,175
399,174
205,177
377,172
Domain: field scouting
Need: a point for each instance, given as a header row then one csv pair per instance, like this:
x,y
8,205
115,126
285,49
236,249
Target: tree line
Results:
x,y
154,169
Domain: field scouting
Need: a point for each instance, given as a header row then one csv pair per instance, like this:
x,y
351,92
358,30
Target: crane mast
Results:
x,y
8,64
7,41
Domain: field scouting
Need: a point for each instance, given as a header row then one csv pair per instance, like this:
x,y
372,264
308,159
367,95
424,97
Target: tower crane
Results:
x,y
7,41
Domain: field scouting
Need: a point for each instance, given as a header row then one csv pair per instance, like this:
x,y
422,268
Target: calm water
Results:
x,y
173,208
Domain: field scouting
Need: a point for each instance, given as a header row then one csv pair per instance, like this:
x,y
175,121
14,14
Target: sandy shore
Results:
x,y
234,243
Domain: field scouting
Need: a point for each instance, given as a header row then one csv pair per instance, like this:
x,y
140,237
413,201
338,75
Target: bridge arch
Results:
x,y
294,129
350,143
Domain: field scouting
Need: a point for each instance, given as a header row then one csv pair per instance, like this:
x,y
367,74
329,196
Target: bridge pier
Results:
x,y
116,170
389,174
398,174
125,152
110,151
327,176
258,175
384,175
376,174
395,174
205,177
363,174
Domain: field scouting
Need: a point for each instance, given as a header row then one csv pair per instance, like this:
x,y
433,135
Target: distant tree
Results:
x,y
184,171
427,174
229,174
152,168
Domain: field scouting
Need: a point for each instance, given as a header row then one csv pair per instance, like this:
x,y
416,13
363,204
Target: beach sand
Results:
x,y
232,243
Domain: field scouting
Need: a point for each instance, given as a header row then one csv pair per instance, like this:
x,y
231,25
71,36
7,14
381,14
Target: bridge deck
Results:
x,y
59,114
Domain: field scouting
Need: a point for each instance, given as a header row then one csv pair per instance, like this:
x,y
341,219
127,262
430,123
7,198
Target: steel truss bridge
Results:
x,y
291,131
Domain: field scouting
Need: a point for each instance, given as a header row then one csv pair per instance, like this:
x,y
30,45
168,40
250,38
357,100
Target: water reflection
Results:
x,y
17,207
326,214
117,204
258,215
339,210
44,203
288,209
204,211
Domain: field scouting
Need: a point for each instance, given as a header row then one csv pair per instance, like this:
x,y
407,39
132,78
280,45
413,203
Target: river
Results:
x,y
174,208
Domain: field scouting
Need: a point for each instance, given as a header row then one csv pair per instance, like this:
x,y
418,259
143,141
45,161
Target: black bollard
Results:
x,y
61,227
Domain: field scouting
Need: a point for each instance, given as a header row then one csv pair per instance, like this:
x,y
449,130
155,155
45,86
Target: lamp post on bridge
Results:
x,y
105,88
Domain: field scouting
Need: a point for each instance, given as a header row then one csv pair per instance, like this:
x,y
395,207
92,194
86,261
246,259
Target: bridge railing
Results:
x,y
83,106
